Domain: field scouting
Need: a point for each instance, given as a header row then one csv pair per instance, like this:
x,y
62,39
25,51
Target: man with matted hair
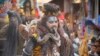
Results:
x,y
51,39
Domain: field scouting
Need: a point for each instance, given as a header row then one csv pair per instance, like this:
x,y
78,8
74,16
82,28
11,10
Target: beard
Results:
x,y
53,30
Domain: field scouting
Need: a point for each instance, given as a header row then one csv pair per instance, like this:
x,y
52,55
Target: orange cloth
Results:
x,y
14,1
37,51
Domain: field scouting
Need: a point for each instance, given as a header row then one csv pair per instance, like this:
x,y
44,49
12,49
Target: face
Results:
x,y
33,23
97,44
52,22
93,48
33,26
27,4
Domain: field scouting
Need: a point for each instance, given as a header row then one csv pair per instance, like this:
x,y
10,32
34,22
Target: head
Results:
x,y
5,6
27,4
89,24
41,8
33,26
50,19
33,23
97,44
52,22
93,48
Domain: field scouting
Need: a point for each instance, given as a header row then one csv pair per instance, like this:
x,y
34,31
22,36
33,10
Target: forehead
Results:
x,y
52,18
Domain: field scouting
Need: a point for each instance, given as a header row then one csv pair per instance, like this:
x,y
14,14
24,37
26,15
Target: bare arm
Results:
x,y
22,31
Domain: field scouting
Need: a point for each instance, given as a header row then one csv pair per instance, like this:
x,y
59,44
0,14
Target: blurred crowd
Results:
x,y
47,31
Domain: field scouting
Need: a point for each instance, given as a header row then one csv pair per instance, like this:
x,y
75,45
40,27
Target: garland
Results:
x,y
37,51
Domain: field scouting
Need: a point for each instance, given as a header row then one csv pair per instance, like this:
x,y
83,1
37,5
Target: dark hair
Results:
x,y
51,8
44,20
93,39
89,22
98,40
42,25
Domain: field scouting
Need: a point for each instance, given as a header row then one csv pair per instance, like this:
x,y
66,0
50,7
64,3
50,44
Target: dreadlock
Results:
x,y
12,35
51,9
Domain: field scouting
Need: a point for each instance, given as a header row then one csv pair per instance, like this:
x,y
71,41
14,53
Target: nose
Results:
x,y
55,24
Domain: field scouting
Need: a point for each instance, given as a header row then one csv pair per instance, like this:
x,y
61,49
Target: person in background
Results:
x,y
91,26
9,23
84,39
97,44
93,47
27,12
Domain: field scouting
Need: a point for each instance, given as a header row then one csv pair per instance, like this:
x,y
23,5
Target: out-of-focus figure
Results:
x,y
9,22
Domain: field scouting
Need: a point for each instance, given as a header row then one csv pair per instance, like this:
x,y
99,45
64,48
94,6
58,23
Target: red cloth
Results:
x,y
36,13
14,1
61,16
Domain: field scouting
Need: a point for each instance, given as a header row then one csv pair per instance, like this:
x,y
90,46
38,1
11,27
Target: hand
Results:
x,y
61,23
32,30
23,32
21,27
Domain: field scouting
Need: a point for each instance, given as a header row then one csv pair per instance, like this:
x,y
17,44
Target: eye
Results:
x,y
50,21
56,21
